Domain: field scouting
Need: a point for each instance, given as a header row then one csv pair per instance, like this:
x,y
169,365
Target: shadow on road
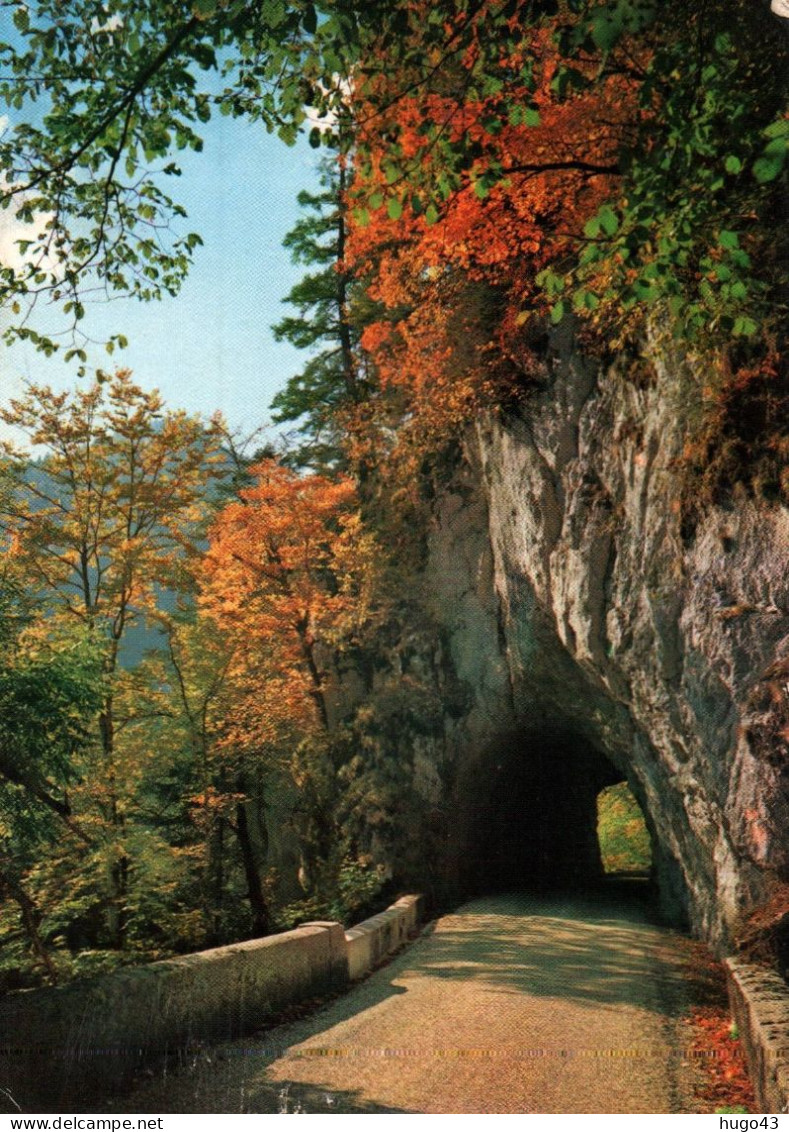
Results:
x,y
590,950
586,949
299,1097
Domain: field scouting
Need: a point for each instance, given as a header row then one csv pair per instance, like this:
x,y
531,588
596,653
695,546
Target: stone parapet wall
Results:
x,y
63,1045
760,1005
371,941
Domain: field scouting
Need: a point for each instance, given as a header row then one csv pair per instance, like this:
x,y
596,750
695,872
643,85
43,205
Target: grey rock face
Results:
x,y
595,643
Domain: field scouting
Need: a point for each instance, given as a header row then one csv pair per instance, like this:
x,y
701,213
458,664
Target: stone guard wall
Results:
x,y
369,942
760,1005
63,1045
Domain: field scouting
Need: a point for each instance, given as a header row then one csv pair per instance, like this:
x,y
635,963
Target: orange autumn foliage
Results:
x,y
458,286
723,1082
288,580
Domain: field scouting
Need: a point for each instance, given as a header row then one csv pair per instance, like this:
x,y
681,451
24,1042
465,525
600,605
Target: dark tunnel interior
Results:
x,y
530,820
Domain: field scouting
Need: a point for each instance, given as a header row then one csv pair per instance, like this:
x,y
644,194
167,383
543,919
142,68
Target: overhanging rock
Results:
x,y
573,603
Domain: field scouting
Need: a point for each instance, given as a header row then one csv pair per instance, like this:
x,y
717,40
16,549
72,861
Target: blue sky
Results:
x,y
211,347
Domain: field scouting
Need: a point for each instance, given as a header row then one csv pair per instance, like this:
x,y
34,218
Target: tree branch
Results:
x,y
139,84
554,166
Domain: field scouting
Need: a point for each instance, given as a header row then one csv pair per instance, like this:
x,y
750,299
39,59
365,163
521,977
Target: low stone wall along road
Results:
x,y
508,1005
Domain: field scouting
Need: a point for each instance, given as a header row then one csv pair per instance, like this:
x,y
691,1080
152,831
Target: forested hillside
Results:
x,y
497,174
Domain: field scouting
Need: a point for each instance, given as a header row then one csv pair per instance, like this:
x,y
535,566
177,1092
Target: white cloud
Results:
x,y
11,231
112,24
329,120
11,228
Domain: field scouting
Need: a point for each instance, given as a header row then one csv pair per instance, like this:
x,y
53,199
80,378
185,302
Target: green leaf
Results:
x,y
550,282
766,169
744,327
608,220
568,79
443,187
204,9
728,239
606,30
557,312
779,129
777,148
394,208
315,137
524,116
592,228
733,164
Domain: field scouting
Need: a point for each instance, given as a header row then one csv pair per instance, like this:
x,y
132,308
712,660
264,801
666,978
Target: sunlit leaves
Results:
x,y
116,500
523,116
328,309
680,183
98,107
443,98
289,571
504,182
605,222
106,520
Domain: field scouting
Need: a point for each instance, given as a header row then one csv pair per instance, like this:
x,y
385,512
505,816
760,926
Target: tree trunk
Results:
x,y
217,873
119,870
343,320
31,918
257,901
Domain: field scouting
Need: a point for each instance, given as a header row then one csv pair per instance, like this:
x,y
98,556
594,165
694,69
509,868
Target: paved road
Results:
x,y
508,1005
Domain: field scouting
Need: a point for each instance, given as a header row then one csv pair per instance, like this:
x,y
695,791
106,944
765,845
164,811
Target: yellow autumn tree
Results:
x,y
101,514
291,573
292,582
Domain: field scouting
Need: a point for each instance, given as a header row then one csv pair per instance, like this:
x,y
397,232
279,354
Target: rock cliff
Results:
x,y
597,637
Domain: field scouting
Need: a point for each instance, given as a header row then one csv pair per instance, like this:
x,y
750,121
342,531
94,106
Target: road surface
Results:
x,y
508,1005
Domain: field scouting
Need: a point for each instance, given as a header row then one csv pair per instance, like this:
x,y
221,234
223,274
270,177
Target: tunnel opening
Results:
x,y
534,821
625,843
526,819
